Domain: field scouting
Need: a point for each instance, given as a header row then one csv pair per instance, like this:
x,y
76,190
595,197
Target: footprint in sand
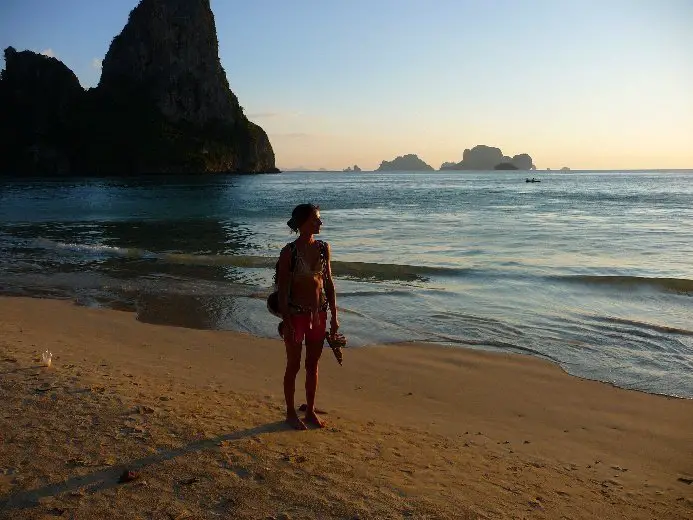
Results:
x,y
243,473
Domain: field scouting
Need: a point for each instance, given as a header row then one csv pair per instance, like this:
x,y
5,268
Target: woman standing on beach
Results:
x,y
306,290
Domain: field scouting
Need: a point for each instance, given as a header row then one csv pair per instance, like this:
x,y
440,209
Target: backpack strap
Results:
x,y
294,255
322,245
292,262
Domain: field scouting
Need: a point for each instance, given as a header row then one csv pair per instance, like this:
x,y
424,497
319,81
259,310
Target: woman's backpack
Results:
x,y
273,298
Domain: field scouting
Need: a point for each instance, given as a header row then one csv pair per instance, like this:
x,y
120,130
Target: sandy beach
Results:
x,y
413,431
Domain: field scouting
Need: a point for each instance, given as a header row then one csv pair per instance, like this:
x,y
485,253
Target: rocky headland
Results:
x,y
163,105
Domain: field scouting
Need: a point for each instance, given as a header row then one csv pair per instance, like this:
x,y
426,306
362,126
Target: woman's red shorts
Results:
x,y
307,329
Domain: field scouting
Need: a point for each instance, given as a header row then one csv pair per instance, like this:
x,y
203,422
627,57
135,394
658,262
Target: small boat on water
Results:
x,y
532,180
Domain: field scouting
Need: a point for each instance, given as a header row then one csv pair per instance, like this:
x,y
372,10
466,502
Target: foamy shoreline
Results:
x,y
414,431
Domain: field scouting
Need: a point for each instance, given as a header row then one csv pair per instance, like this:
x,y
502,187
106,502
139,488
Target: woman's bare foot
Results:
x,y
312,418
296,423
304,407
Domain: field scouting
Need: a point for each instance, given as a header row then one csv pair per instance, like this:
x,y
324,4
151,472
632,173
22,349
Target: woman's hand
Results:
x,y
288,329
334,325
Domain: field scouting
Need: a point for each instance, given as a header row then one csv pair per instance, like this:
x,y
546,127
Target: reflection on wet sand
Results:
x,y
185,310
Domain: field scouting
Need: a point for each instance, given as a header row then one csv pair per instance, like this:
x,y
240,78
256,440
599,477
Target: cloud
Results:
x,y
96,63
48,52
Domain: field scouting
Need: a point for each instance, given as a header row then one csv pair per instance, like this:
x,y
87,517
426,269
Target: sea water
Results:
x,y
591,270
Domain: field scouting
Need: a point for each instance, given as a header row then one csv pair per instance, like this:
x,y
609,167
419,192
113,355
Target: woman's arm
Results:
x,y
330,290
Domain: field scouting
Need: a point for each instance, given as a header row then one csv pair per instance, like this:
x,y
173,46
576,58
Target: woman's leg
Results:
x,y
315,339
293,365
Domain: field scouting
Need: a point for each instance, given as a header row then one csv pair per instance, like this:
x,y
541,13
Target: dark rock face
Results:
x,y
169,51
38,97
403,163
258,155
163,104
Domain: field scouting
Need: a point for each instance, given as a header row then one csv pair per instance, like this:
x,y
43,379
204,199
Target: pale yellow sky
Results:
x,y
664,149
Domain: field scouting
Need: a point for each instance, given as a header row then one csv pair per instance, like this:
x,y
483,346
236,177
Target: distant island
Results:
x,y
483,157
355,168
162,105
404,163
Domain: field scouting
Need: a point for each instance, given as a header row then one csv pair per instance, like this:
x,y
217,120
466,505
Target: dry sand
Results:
x,y
414,431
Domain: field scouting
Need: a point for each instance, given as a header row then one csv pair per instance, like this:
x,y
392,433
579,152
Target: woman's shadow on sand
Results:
x,y
109,478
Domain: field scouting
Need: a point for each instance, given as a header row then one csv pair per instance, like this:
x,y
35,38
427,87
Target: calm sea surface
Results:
x,y
592,270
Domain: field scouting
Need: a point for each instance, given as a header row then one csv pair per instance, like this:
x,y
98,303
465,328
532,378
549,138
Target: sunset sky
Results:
x,y
587,84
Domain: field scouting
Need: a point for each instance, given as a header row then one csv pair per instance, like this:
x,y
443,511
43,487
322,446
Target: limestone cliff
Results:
x,y
163,104
38,98
169,52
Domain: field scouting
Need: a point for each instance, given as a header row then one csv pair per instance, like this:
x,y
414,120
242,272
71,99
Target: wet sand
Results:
x,y
413,431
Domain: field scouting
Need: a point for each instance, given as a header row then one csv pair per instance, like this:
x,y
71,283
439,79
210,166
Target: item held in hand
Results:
x,y
273,304
336,342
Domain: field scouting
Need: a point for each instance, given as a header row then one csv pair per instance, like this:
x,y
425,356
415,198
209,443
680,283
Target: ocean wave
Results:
x,y
246,261
485,344
359,270
656,328
405,272
676,285
95,249
374,293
